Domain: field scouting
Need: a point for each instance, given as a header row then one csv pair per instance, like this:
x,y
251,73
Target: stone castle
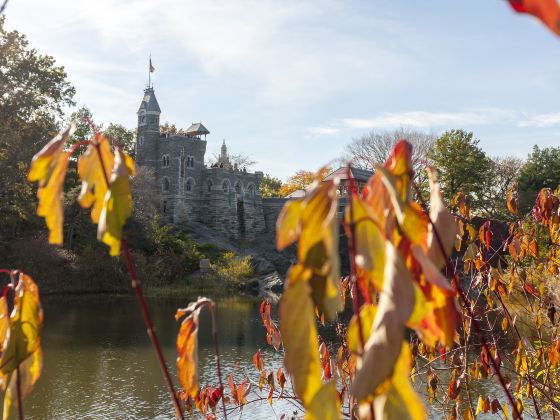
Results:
x,y
222,196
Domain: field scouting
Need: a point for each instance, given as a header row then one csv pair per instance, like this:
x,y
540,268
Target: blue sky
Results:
x,y
291,83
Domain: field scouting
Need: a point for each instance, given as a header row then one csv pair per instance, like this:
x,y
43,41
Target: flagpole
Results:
x,y
150,72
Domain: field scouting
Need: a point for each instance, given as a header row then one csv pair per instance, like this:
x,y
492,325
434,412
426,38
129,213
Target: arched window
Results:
x,y
165,161
165,184
209,185
141,140
238,188
251,190
225,186
189,185
190,161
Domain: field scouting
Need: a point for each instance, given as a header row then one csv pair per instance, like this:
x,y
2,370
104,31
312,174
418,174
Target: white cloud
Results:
x,y
284,51
541,120
323,130
424,119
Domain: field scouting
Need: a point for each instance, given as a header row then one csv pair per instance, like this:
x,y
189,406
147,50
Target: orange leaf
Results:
x,y
548,11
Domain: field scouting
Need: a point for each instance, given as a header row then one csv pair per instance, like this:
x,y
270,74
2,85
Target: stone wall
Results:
x,y
271,210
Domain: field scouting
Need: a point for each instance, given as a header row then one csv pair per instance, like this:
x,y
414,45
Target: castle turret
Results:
x,y
148,130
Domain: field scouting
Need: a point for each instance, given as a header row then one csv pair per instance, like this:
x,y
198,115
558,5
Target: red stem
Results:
x,y
144,308
466,305
150,327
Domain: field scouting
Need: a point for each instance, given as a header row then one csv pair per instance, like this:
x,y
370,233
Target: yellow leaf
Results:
x,y
399,400
117,204
288,224
299,335
49,168
367,315
370,242
411,218
23,348
505,411
383,346
317,215
94,174
479,406
504,324
325,404
467,415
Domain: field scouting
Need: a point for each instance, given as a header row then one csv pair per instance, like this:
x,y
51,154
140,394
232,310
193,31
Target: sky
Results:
x,y
290,83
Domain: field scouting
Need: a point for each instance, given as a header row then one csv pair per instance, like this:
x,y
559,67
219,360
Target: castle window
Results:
x,y
165,161
157,120
238,188
165,184
164,206
189,185
143,118
251,190
141,140
225,186
190,161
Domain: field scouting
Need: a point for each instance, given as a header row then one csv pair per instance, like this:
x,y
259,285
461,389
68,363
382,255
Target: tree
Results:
x,y
171,129
374,148
462,166
34,91
301,180
503,175
241,160
541,170
83,119
122,136
270,187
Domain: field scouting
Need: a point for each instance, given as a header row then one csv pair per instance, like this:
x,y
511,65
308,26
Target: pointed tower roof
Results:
x,y
149,102
196,129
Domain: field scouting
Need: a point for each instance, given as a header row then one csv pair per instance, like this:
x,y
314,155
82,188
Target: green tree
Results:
x,y
122,136
83,119
541,170
33,93
270,187
462,166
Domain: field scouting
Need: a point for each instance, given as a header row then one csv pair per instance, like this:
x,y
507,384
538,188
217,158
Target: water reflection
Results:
x,y
98,362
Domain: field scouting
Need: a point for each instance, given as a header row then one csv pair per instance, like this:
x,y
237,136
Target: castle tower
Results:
x,y
148,130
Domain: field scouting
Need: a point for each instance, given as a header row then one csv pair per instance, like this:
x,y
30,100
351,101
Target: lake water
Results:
x,y
99,363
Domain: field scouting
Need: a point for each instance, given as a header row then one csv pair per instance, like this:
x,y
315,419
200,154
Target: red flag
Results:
x,y
548,11
152,68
